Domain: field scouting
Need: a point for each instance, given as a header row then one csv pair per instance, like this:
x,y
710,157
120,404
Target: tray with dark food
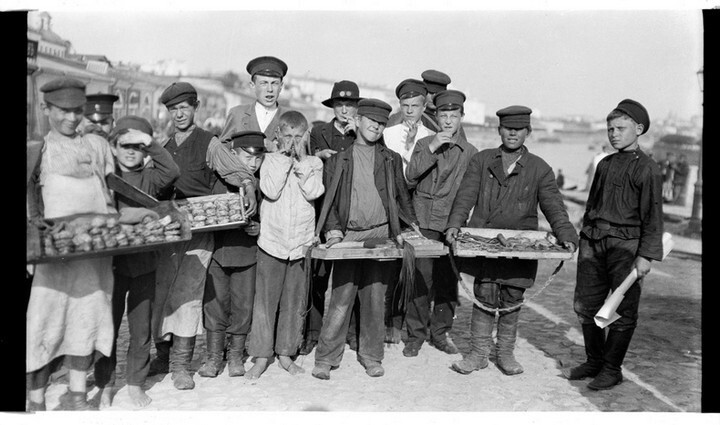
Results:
x,y
83,236
214,212
379,249
508,243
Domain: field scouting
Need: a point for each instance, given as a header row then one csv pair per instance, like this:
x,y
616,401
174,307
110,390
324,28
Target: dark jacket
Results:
x,y
326,136
625,201
151,179
339,211
234,247
510,202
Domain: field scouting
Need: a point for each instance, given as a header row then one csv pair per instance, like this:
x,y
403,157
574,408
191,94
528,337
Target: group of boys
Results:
x,y
363,176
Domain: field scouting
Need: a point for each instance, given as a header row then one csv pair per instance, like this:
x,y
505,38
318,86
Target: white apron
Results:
x,y
180,288
70,310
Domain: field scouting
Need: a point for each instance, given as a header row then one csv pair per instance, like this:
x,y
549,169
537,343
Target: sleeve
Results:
x,y
309,172
317,143
651,215
467,196
402,193
332,227
274,173
421,162
552,206
228,166
108,157
34,197
164,171
230,124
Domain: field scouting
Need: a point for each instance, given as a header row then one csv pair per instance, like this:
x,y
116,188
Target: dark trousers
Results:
x,y
434,280
279,307
366,280
602,267
494,295
228,299
39,379
321,276
140,293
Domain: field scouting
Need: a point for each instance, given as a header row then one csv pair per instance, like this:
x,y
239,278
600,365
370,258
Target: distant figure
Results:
x,y
667,168
560,179
593,165
682,169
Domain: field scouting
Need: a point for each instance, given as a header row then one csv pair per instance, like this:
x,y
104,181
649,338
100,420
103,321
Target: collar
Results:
x,y
259,107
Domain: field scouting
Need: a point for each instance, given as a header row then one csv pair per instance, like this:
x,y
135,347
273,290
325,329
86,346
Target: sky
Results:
x,y
559,60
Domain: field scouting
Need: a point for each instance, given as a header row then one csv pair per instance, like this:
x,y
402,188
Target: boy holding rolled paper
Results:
x,y
622,231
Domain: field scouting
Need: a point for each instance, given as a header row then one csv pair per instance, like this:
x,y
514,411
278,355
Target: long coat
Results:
x,y
509,202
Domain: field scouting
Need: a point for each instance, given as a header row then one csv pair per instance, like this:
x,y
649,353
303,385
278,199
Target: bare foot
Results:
x,y
138,396
258,368
287,364
106,397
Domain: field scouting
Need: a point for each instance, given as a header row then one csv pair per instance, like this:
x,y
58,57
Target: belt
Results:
x,y
362,229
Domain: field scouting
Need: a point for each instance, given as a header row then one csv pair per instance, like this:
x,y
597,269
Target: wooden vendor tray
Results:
x,y
36,255
355,250
213,198
503,252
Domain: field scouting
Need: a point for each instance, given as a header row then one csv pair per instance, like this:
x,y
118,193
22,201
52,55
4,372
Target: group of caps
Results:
x,y
69,93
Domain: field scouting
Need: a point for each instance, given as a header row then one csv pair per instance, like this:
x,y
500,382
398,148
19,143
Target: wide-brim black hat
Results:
x,y
343,90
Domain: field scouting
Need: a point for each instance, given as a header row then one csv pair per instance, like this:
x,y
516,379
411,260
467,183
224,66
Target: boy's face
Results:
x,y
513,138
129,156
290,136
345,109
412,108
62,120
183,115
267,89
450,120
623,133
370,130
252,161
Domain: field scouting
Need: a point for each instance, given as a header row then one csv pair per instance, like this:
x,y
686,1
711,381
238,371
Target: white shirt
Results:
x,y
396,135
287,211
264,115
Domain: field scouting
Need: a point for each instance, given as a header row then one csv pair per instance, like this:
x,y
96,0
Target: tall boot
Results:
x,y
161,362
481,327
213,354
594,338
616,346
506,336
236,355
181,354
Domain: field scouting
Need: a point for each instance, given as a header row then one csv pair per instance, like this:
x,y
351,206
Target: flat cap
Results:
x,y
64,92
515,116
268,66
410,88
435,81
250,141
99,106
178,92
133,122
375,109
343,90
449,100
636,111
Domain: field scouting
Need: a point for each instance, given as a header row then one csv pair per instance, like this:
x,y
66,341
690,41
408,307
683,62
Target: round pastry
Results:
x,y
98,221
236,217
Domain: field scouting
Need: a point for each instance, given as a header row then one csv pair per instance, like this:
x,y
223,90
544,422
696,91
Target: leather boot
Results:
x,y
181,355
616,346
506,336
594,345
161,362
213,355
481,327
75,401
236,355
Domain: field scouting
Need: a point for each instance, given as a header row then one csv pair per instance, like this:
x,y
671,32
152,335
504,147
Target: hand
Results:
x,y
253,228
642,265
400,240
332,241
451,235
412,130
301,146
569,246
349,126
325,153
440,139
250,201
131,215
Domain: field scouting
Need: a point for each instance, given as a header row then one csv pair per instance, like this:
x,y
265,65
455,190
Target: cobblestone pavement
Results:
x,y
662,368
